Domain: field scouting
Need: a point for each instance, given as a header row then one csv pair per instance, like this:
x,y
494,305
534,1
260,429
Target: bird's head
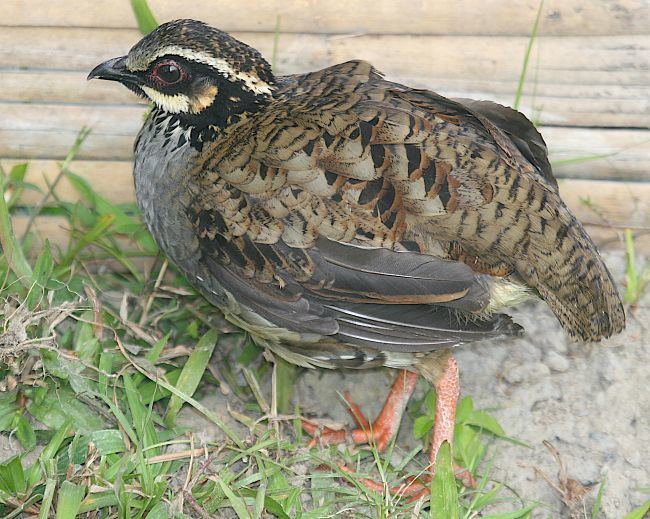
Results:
x,y
194,71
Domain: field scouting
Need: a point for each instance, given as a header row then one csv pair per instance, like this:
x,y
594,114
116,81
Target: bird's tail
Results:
x,y
571,276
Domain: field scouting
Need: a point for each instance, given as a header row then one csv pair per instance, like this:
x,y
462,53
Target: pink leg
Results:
x,y
447,392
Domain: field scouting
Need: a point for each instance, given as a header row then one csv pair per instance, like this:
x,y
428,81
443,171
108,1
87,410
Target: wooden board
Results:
x,y
502,17
590,81
620,203
553,104
49,130
112,179
606,208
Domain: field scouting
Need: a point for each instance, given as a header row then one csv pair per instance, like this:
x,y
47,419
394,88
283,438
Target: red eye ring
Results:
x,y
168,72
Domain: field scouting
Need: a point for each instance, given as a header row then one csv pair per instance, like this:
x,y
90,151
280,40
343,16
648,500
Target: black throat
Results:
x,y
233,102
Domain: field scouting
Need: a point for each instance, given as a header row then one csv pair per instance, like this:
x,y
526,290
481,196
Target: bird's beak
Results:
x,y
114,70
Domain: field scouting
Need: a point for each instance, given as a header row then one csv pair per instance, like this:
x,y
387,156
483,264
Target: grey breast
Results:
x,y
162,188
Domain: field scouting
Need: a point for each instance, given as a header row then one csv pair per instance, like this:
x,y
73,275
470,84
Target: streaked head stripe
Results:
x,y
253,83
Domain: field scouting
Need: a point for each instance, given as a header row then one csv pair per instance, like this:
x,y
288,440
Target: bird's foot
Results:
x,y
415,487
381,431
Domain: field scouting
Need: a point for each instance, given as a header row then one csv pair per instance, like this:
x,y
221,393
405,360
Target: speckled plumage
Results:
x,y
348,221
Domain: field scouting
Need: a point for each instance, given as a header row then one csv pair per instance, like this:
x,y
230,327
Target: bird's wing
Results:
x,y
375,297
519,130
346,156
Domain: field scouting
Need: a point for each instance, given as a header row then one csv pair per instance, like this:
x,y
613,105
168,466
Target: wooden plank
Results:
x,y
48,131
612,207
615,202
553,104
580,81
60,86
603,202
80,49
570,61
503,17
111,179
599,153
612,60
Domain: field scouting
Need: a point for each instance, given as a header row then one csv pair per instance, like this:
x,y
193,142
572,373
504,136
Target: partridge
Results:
x,y
347,221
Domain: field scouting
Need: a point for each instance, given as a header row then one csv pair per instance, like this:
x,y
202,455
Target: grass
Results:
x,y
636,278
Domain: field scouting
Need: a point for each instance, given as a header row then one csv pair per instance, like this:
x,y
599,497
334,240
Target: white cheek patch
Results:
x,y
252,82
173,104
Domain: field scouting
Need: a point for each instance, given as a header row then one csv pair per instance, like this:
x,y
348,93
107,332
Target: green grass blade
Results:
x,y
11,248
25,433
143,15
69,501
12,476
16,178
155,351
142,421
98,501
159,511
259,501
236,502
640,512
632,280
529,48
285,378
444,494
48,453
595,509
192,373
48,493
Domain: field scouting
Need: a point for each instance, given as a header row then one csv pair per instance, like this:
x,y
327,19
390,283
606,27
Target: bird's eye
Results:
x,y
168,73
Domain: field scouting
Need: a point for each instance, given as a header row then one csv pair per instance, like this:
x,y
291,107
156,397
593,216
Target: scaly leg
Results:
x,y
447,392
